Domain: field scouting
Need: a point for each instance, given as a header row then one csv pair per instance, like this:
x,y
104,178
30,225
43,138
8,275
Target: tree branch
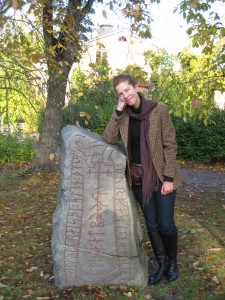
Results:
x,y
4,7
19,92
47,23
69,34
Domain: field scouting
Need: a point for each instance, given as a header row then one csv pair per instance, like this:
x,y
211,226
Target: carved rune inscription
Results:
x,y
98,224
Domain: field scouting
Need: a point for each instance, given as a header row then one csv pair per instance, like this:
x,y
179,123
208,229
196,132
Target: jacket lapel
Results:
x,y
124,128
153,128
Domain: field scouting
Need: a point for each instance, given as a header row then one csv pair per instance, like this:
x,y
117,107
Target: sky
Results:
x,y
168,29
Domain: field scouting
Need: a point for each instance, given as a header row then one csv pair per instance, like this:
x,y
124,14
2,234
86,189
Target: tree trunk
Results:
x,y
47,157
61,51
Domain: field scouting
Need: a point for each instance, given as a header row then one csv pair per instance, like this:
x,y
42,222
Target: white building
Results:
x,y
219,99
119,46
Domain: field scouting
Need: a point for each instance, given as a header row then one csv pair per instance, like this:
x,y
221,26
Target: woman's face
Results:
x,y
128,94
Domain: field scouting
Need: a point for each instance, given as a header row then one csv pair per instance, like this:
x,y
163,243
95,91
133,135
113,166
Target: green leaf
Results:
x,y
222,32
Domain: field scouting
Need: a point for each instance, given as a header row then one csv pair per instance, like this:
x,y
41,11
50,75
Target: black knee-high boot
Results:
x,y
160,254
170,243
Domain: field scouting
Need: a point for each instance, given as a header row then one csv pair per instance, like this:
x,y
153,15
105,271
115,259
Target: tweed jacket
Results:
x,y
162,140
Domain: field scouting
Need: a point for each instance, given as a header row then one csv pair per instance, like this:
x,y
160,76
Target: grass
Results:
x,y
27,202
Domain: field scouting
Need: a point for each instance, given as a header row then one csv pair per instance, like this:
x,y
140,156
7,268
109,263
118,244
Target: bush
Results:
x,y
92,104
92,98
15,149
198,142
89,115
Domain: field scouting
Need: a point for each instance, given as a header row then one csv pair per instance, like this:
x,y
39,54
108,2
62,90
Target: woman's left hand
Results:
x,y
167,188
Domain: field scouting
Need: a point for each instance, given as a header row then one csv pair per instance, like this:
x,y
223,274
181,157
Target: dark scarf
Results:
x,y
150,178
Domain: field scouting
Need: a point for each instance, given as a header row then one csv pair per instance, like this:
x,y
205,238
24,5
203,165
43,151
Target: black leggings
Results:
x,y
159,213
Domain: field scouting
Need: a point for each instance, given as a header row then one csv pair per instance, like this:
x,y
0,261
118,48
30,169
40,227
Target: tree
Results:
x,y
62,27
92,98
206,23
188,91
166,81
4,6
65,25
20,96
19,100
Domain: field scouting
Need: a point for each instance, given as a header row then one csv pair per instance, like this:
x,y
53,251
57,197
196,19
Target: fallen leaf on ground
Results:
x,y
208,257
100,295
215,249
128,295
215,279
29,270
46,276
148,296
3,285
51,156
122,287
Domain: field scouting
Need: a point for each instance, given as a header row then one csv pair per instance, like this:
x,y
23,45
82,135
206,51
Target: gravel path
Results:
x,y
200,180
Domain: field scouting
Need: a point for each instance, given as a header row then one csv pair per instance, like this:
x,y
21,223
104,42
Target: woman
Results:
x,y
148,135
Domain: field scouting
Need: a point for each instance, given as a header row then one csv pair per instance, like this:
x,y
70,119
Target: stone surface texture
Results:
x,y
96,234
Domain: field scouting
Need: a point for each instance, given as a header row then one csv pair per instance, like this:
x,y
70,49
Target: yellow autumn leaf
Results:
x,y
51,50
59,45
208,257
128,294
35,58
51,156
216,250
80,94
87,116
